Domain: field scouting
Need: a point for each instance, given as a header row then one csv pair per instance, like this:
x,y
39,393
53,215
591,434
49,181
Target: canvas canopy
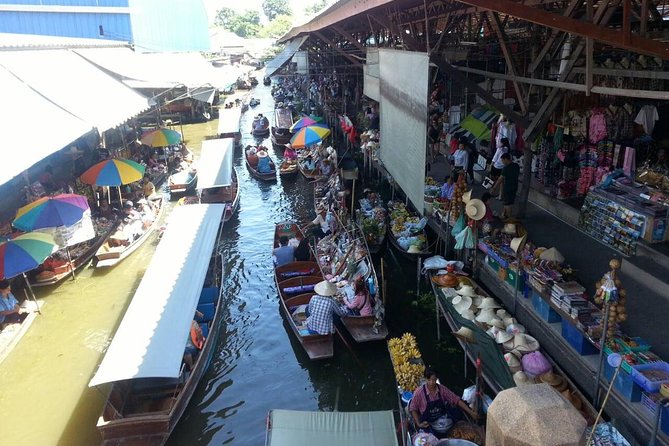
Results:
x,y
215,165
228,120
152,336
298,428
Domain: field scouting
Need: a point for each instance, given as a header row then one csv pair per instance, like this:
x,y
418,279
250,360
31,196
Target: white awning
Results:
x,y
151,339
284,56
76,85
158,70
228,120
215,163
34,127
203,94
302,428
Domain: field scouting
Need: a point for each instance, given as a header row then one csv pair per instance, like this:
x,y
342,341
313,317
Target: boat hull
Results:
x,y
261,176
232,203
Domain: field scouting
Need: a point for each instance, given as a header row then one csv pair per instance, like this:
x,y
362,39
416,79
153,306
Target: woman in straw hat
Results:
x,y
435,408
320,309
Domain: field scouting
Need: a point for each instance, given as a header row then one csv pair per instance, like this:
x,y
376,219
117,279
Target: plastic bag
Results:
x,y
459,225
535,364
438,262
465,239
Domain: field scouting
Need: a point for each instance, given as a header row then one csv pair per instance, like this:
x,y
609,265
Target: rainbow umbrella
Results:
x,y
51,212
113,172
304,121
161,138
309,135
24,253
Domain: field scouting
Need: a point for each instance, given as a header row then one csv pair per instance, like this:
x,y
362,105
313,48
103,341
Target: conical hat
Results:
x,y
552,255
525,343
521,379
513,362
502,336
489,303
469,315
485,315
466,334
325,288
466,290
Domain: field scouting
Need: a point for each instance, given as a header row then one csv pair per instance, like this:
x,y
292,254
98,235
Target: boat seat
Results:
x,y
205,329
300,289
208,296
305,272
207,311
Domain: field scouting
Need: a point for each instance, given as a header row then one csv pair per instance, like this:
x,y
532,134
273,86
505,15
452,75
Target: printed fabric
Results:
x,y
321,309
597,127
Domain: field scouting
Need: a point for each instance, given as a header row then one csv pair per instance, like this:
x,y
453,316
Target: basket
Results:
x,y
641,345
645,383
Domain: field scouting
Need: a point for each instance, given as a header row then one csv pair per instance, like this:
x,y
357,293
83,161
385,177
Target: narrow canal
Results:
x,y
258,365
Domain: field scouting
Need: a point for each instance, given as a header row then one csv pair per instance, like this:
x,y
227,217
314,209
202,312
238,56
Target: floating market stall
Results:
x,y
406,232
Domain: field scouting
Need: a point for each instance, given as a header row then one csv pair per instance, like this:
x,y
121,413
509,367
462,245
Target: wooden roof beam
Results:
x,y
350,38
350,58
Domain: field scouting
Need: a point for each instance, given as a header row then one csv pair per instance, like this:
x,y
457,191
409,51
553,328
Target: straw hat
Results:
x,y
513,362
466,334
475,209
515,329
517,243
573,398
525,343
476,301
261,154
502,314
497,322
521,379
325,288
508,320
465,301
554,380
467,196
502,336
413,249
552,255
492,332
489,303
485,315
469,315
466,290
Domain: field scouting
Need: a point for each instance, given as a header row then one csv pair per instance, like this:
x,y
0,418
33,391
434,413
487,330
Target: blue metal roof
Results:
x,y
114,26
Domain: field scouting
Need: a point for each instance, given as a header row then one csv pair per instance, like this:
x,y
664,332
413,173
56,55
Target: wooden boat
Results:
x,y
227,195
267,81
374,243
150,389
271,176
254,102
409,255
108,255
283,120
298,274
314,174
288,169
78,262
260,127
182,182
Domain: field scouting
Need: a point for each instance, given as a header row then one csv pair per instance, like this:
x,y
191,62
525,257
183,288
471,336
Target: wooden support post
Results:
x,y
627,22
643,30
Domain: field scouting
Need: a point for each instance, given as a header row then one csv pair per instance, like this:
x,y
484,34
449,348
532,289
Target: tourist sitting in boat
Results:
x,y
435,408
320,223
194,344
153,161
448,188
321,308
309,163
264,165
283,254
303,251
10,312
252,156
362,303
289,153
326,168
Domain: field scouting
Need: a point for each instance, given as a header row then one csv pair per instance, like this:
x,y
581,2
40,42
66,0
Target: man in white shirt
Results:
x,y
322,228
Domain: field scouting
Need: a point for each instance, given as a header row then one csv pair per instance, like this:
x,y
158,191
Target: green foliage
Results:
x,y
246,24
224,16
316,6
277,27
275,8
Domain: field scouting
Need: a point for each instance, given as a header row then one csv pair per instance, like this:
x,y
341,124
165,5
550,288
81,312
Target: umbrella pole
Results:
x,y
69,259
120,196
32,293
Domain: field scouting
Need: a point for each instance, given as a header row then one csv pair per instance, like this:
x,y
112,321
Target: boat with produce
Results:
x,y
309,174
372,222
218,180
129,236
295,282
252,155
406,232
288,169
152,372
58,266
283,120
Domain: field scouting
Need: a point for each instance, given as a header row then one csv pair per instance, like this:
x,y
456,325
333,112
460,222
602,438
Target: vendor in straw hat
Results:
x,y
435,408
289,153
321,307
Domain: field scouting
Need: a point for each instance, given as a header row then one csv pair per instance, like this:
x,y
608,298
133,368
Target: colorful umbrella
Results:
x,y
304,121
51,212
25,252
113,172
161,138
309,135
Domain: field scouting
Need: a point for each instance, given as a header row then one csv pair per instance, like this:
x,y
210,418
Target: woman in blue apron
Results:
x,y
435,408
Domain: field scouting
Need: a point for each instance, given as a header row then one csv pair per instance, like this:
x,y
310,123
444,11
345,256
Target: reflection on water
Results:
x,y
258,365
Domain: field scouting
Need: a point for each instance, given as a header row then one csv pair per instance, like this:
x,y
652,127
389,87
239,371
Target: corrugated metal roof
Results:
x,y
284,56
12,41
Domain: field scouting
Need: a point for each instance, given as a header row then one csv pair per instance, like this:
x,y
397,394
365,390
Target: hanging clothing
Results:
x,y
629,165
626,122
597,126
454,115
646,118
614,117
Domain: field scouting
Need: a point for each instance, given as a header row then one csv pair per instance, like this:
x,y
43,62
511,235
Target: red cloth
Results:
x,y
454,145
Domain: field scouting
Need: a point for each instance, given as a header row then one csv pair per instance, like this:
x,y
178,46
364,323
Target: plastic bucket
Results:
x,y
455,442
406,397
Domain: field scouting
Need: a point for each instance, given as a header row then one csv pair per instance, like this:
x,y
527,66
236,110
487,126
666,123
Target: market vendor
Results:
x,y
320,223
289,153
149,189
322,308
326,168
362,303
310,163
435,408
264,165
508,181
10,312
493,221
448,188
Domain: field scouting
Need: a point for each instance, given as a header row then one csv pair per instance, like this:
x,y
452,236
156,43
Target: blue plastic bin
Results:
x,y
650,405
575,338
544,309
627,387
649,386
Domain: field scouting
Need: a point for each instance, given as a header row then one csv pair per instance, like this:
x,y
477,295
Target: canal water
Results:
x,y
258,364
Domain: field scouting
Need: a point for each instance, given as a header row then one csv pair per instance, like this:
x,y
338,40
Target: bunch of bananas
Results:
x,y
405,356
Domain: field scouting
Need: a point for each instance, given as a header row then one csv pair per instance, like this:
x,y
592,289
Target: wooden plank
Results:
x,y
350,38
335,47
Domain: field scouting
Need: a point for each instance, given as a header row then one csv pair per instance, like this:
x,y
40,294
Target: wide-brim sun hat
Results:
x,y
525,343
517,243
466,334
497,322
489,303
467,196
554,380
462,307
513,362
466,290
475,209
502,314
445,280
465,281
509,320
521,379
502,336
261,154
485,315
515,329
469,315
325,288
462,300
552,255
